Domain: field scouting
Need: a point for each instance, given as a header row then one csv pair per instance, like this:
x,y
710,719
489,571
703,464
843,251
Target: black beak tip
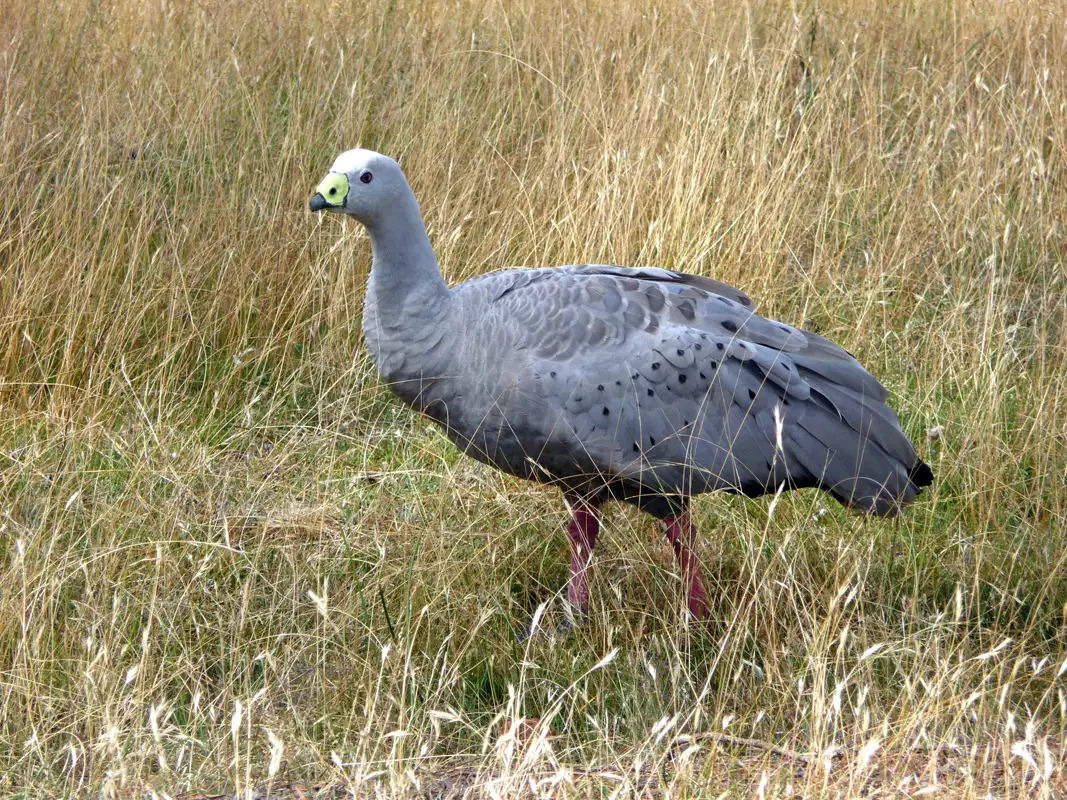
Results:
x,y
318,202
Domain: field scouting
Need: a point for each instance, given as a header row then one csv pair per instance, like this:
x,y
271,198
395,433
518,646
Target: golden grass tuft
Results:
x,y
228,558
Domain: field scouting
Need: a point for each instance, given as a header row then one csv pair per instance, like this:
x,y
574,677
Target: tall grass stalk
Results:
x,y
226,556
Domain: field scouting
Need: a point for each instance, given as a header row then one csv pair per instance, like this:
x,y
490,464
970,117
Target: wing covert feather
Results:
x,y
672,382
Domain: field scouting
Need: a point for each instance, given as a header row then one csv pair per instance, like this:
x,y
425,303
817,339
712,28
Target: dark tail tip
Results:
x,y
921,474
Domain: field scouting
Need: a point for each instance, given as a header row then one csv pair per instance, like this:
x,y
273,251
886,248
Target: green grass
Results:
x,y
222,541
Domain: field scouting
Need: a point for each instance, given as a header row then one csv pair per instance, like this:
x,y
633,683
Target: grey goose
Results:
x,y
640,385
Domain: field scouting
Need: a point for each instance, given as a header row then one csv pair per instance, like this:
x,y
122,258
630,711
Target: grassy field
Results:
x,y
229,561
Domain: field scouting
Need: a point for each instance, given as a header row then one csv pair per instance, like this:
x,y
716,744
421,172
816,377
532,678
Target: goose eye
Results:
x,y
366,177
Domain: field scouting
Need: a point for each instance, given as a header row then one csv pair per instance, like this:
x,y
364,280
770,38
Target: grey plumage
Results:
x,y
643,385
648,385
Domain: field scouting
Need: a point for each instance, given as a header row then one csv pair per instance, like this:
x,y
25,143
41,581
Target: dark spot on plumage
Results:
x,y
744,301
687,310
754,370
730,325
577,399
751,395
785,402
618,383
553,374
785,329
655,299
606,412
651,393
655,365
685,424
637,449
704,336
719,345
681,352
652,440
681,377
698,346
703,377
600,387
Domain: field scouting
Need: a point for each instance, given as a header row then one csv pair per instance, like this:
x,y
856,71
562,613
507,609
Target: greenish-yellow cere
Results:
x,y
334,188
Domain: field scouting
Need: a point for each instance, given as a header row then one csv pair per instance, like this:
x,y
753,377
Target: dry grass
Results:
x,y
220,541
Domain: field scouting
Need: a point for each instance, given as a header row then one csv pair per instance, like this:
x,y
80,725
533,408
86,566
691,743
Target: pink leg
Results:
x,y
682,533
583,530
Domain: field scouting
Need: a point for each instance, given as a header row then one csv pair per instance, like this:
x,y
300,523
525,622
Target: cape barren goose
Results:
x,y
641,385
